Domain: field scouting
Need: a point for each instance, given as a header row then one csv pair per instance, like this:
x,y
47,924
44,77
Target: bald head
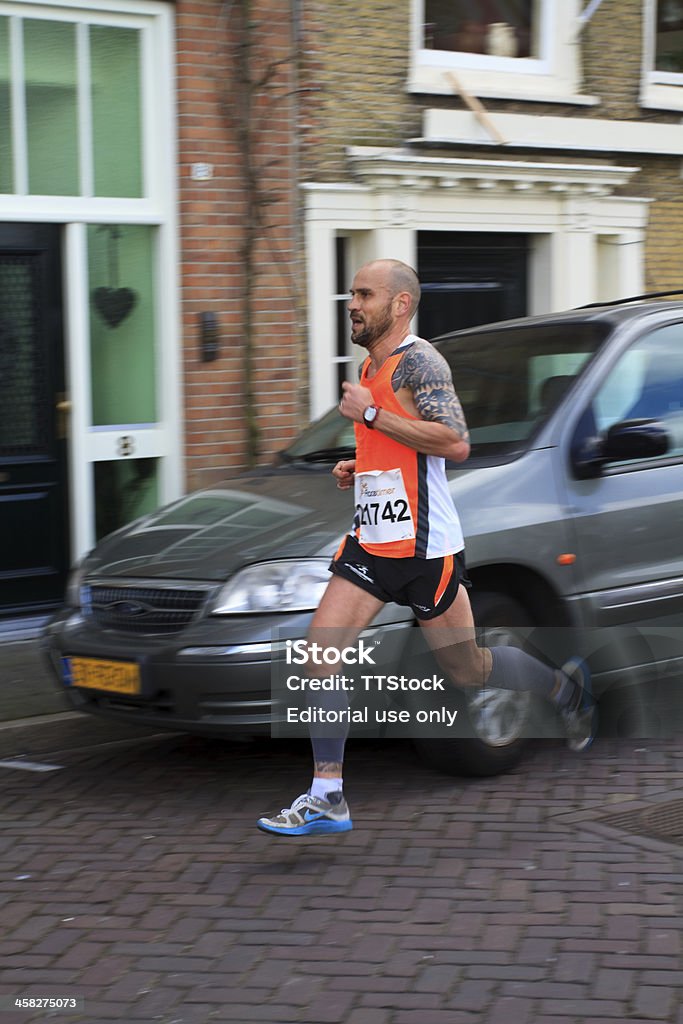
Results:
x,y
399,278
384,297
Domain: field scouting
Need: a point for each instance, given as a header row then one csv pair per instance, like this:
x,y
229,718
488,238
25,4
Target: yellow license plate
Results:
x,y
113,676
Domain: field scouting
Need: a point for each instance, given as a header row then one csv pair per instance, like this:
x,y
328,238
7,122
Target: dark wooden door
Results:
x,y
34,549
470,279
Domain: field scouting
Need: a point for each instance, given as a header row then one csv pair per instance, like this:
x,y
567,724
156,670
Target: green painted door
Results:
x,y
34,548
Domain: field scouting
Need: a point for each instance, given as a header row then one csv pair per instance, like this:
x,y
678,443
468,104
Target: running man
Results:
x,y
408,422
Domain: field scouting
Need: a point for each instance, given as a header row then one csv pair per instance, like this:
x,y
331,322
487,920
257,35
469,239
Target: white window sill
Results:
x,y
535,84
657,96
513,91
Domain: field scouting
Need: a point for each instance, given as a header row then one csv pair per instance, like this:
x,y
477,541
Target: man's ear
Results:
x,y
405,302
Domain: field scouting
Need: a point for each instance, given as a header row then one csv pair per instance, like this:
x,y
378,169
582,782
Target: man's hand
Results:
x,y
355,400
344,473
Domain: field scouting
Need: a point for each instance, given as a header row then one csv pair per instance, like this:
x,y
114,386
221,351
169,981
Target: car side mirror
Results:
x,y
630,439
635,439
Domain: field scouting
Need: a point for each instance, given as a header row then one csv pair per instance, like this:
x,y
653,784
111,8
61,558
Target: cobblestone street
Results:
x,y
134,880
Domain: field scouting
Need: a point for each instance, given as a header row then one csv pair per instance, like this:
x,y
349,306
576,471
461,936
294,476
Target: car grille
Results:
x,y
143,609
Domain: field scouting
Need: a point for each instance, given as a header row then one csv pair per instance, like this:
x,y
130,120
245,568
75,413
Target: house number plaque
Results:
x,y
125,445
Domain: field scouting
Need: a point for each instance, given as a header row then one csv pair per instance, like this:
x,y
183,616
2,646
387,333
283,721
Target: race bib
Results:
x,y
382,509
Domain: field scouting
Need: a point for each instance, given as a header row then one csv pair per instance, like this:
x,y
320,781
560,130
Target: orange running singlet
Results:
x,y
403,505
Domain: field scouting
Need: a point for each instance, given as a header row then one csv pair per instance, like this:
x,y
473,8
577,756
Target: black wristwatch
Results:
x,y
370,415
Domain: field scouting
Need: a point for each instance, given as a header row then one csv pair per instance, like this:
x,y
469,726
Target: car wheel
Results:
x,y
624,712
497,721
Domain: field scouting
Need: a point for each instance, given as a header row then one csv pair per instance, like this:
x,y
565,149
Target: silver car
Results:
x,y
572,507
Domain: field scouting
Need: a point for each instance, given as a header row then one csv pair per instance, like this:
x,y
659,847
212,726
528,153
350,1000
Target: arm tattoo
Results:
x,y
427,374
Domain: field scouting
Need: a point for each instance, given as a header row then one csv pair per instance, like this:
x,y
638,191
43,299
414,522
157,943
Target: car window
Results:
x,y
646,383
622,390
510,380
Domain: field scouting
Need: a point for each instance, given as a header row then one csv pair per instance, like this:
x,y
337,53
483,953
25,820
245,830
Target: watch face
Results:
x,y
369,414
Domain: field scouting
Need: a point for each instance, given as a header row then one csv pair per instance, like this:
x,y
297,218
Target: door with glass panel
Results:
x,y
86,141
124,435
34,548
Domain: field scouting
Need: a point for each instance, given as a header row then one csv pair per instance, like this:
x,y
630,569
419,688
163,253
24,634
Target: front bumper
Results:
x,y
191,683
213,679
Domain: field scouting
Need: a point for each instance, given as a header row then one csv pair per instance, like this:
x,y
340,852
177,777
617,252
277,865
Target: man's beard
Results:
x,y
371,332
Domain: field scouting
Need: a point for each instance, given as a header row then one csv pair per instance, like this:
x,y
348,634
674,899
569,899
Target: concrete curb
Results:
x,y
66,730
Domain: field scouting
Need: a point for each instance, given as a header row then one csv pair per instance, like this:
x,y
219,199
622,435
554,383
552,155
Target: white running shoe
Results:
x,y
581,720
310,816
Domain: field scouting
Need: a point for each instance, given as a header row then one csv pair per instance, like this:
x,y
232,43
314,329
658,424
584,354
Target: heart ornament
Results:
x,y
114,304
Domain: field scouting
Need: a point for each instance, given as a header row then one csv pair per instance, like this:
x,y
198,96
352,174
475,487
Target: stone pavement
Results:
x,y
26,687
132,878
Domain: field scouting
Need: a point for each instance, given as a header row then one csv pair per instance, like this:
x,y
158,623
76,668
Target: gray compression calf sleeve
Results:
x,y
328,740
515,670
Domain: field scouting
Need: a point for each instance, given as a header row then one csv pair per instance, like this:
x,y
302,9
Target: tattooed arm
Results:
x,y
423,384
424,387
427,376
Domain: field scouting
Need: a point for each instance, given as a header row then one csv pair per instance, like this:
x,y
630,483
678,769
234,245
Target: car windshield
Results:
x,y
508,380
326,440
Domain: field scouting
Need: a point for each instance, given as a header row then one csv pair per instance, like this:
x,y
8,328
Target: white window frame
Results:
x,y
660,90
156,208
554,76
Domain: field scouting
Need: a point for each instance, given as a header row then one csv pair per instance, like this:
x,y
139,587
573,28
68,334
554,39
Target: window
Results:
x,y
123,331
70,106
510,380
518,48
343,357
663,55
123,491
669,37
501,28
647,383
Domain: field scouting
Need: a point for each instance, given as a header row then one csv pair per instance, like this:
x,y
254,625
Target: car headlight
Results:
x,y
274,587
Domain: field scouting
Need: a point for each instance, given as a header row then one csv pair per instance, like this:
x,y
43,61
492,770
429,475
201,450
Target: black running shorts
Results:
x,y
427,585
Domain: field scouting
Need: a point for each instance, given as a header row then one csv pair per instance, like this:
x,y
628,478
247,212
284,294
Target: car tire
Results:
x,y
496,746
628,713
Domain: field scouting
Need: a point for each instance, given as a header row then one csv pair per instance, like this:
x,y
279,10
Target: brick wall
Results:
x,y
361,71
338,79
215,127
359,80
